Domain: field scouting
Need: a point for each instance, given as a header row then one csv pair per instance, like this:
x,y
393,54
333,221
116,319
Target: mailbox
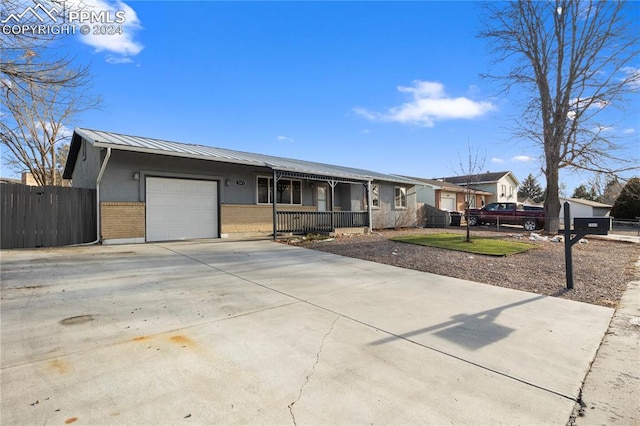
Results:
x,y
592,225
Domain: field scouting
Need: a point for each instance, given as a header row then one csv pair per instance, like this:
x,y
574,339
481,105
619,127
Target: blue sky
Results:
x,y
387,86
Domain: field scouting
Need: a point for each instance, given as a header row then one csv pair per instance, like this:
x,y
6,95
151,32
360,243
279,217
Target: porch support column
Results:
x,y
333,184
369,210
274,189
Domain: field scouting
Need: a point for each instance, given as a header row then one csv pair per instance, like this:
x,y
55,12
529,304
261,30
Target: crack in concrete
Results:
x,y
313,370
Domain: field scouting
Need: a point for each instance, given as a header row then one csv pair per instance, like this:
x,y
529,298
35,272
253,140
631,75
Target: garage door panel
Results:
x,y
181,209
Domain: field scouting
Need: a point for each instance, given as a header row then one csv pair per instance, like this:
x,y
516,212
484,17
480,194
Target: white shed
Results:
x,y
584,208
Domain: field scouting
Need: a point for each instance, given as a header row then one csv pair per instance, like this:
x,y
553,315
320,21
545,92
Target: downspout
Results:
x,y
98,180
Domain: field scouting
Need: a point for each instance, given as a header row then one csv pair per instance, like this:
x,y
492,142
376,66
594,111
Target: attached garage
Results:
x,y
448,202
179,209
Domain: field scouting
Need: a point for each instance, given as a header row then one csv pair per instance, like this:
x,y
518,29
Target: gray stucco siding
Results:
x,y
126,173
390,216
87,166
237,183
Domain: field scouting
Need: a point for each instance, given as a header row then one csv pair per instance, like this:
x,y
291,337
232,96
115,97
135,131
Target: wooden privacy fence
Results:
x,y
46,216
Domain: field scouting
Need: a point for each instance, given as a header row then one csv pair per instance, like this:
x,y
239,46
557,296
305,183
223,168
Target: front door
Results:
x,y
322,199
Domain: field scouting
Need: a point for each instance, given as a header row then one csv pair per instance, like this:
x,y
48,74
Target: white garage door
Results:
x,y
448,204
178,209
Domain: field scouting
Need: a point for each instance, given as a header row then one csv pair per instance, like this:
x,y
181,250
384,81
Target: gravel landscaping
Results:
x,y
602,268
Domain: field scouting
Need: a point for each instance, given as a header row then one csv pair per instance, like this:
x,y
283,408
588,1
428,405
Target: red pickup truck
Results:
x,y
531,218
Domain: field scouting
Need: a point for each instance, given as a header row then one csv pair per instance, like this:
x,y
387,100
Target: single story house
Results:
x,y
584,208
502,185
448,196
155,190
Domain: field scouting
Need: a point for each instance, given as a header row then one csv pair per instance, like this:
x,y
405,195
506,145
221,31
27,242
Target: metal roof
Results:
x,y
586,202
157,146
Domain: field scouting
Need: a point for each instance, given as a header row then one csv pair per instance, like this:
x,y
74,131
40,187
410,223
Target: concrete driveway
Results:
x,y
255,332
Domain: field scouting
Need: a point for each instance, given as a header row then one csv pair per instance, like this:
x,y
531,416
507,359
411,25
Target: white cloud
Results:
x,y
629,131
497,160
121,47
118,60
285,139
429,104
63,132
522,159
586,103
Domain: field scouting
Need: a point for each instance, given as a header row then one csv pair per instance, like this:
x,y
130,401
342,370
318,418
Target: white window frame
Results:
x,y
270,186
403,197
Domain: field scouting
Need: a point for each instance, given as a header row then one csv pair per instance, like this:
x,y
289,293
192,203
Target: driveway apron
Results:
x,y
256,332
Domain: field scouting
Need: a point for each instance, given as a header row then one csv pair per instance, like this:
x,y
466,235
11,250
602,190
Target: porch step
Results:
x,y
355,230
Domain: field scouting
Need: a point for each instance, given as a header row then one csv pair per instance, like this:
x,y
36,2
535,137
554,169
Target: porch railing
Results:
x,y
304,221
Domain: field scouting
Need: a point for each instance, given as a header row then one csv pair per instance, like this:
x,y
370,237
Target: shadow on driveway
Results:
x,y
472,331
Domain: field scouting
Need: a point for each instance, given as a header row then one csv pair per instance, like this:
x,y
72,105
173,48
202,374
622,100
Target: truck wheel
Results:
x,y
530,224
473,221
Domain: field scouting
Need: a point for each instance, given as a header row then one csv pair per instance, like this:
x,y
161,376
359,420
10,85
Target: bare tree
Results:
x,y
35,123
606,188
573,58
41,91
36,58
470,169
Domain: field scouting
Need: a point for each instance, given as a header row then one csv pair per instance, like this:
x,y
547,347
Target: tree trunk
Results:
x,y
552,200
468,239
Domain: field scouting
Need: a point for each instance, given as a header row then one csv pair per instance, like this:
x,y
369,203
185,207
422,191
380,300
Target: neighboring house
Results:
x,y
448,196
26,179
9,180
155,190
584,208
526,201
502,185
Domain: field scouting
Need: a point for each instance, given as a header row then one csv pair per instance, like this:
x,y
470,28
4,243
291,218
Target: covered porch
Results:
x,y
354,211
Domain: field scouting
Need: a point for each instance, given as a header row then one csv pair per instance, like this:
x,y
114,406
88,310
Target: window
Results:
x,y
400,198
504,191
375,196
288,191
471,200
264,190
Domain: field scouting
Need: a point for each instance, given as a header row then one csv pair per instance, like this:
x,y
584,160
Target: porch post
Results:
x,y
332,183
369,210
274,190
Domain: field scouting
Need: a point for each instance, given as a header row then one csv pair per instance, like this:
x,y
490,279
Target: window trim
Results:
x,y
270,191
403,190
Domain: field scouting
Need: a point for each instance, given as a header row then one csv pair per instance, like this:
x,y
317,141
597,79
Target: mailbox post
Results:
x,y
581,226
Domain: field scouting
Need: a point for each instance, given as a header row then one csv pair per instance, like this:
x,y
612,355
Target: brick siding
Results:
x,y
122,220
239,218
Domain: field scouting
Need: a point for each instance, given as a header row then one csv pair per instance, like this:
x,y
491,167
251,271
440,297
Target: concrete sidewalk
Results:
x,y
258,332
611,392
